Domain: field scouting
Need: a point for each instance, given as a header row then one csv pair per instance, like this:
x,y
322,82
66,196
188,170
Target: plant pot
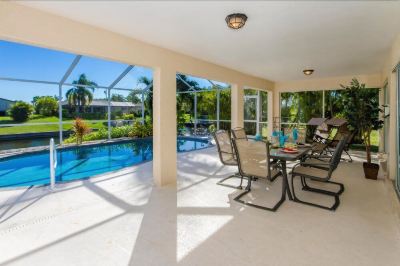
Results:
x,y
371,170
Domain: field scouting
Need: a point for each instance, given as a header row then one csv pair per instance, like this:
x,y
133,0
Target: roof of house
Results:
x,y
105,103
7,100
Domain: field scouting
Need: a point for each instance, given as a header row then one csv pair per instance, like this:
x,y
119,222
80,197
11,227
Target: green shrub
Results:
x,y
212,128
20,111
128,116
141,130
120,132
46,105
138,130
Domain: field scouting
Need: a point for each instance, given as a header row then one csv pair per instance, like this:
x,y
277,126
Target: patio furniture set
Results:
x,y
259,160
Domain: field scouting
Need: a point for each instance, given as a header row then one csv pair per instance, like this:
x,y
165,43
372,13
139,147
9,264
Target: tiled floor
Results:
x,y
121,219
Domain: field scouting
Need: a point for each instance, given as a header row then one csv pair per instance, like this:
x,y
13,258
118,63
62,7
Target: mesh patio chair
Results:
x,y
334,143
322,172
226,154
254,163
239,133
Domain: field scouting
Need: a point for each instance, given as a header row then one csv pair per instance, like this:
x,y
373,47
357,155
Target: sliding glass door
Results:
x,y
251,114
256,112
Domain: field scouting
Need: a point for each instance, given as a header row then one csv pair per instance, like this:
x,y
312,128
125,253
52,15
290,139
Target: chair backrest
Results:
x,y
225,147
253,158
337,154
239,133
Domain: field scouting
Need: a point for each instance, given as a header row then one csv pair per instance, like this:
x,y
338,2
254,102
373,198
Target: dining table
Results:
x,y
283,157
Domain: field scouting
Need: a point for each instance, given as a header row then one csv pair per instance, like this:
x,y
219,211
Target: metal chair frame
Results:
x,y
329,167
250,178
220,152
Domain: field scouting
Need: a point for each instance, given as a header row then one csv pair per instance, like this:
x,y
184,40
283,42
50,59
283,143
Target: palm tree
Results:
x,y
148,103
80,96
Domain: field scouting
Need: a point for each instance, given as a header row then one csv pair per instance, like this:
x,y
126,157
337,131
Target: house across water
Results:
x,y
5,104
100,106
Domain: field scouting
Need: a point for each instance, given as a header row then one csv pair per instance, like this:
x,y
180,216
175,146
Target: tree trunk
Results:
x,y
367,142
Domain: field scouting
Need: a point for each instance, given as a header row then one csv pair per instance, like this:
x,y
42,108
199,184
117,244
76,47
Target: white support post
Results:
x,y
164,127
237,106
60,125
53,164
109,112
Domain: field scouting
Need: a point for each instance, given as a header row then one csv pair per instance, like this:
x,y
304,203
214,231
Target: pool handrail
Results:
x,y
53,163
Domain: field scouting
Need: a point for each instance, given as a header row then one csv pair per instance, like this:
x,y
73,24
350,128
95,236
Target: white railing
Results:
x,y
53,163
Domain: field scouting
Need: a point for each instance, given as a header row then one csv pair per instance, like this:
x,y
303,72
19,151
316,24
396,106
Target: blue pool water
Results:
x,y
82,162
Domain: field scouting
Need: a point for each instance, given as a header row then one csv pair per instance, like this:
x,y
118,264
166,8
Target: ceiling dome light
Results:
x,y
308,72
236,21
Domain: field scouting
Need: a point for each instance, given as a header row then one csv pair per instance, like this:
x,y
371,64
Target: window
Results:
x,y
203,105
299,107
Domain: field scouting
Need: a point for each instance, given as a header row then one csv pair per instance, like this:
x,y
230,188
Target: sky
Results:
x,y
35,63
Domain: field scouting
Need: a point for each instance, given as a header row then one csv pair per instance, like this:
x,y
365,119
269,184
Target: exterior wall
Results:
x,y
388,75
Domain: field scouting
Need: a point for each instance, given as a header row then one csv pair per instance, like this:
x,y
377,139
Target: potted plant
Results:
x,y
361,108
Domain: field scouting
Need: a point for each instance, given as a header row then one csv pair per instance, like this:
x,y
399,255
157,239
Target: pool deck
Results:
x,y
121,218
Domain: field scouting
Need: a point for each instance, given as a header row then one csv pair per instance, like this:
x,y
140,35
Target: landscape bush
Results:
x,y
46,106
137,130
21,111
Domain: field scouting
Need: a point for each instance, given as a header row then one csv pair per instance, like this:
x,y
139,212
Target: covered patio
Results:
x,y
167,209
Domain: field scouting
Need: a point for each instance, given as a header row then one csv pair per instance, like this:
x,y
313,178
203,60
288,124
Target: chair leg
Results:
x,y
331,208
248,189
322,191
221,182
351,159
272,179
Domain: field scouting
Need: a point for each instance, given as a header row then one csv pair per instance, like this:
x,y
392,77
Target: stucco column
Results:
x,y
164,126
237,106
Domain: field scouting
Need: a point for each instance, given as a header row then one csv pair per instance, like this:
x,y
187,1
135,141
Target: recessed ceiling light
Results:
x,y
236,21
308,72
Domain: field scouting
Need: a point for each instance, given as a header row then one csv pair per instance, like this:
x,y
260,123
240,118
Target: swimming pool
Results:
x,y
83,162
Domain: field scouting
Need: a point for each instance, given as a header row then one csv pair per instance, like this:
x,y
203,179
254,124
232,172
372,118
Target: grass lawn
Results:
x,y
374,143
41,128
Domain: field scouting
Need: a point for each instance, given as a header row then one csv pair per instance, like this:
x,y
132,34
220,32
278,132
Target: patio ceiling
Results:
x,y
278,42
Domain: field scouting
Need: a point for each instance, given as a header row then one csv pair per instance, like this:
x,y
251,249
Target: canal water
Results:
x,y
25,143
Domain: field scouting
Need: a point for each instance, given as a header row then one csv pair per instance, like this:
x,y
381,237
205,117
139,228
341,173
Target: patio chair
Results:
x,y
254,163
226,154
333,144
239,133
322,172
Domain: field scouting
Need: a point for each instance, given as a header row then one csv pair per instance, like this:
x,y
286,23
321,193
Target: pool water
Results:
x,y
82,162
